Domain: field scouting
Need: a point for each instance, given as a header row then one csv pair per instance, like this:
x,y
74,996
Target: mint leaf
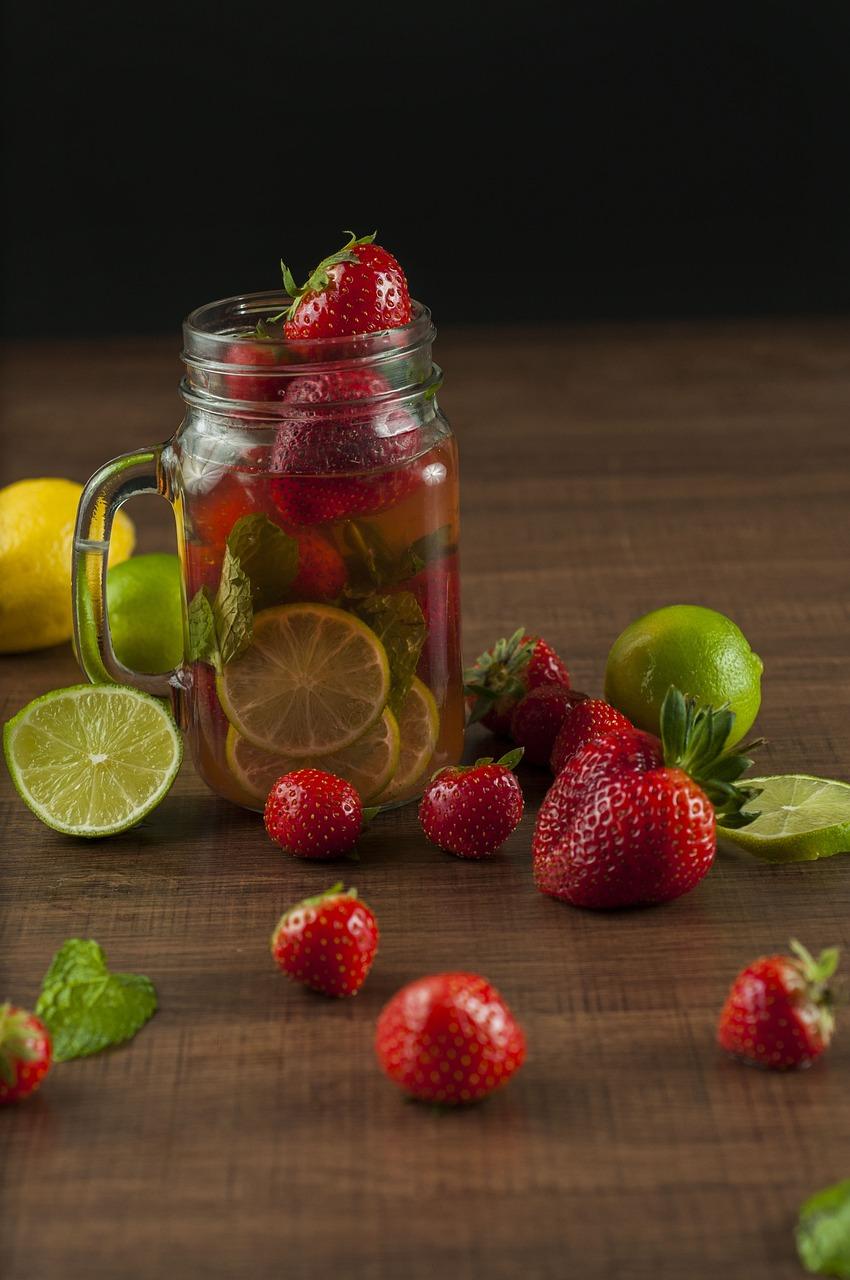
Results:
x,y
374,564
268,556
85,1007
232,609
203,646
399,623
823,1232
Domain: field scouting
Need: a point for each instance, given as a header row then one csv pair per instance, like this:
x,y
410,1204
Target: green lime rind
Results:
x,y
801,819
92,760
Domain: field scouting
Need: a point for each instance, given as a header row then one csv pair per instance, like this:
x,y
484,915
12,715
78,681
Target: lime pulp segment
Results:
x,y
419,725
800,819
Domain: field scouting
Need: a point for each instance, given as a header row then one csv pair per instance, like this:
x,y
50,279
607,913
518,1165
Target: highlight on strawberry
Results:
x,y
779,1011
632,820
470,810
327,942
500,677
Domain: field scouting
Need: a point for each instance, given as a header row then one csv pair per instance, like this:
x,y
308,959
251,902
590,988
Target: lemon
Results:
x,y
145,604
703,653
93,759
419,725
799,819
36,534
368,764
312,681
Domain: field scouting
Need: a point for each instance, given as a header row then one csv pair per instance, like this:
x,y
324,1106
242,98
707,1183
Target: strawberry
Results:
x,y
778,1013
436,588
327,942
248,386
586,720
321,569
25,1053
313,814
471,810
359,289
538,717
499,678
449,1038
215,513
629,821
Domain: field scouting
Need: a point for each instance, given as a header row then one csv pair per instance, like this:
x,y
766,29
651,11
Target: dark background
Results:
x,y
526,163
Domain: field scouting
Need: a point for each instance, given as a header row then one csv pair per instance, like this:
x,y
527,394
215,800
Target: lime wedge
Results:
x,y
800,819
368,764
419,725
313,680
92,760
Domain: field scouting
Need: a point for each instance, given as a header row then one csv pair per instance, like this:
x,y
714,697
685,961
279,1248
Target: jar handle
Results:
x,y
108,489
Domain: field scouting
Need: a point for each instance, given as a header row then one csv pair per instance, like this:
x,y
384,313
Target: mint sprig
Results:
x,y
85,1006
399,624
823,1231
267,556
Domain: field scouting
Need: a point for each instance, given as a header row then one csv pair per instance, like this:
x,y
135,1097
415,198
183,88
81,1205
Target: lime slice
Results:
x,y
312,682
92,760
368,764
800,819
419,724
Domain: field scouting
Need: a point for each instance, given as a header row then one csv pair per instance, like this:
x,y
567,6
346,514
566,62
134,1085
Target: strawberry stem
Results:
x,y
817,973
693,737
319,277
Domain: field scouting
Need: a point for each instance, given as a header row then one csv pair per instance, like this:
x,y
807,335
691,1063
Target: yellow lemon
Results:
x,y
36,532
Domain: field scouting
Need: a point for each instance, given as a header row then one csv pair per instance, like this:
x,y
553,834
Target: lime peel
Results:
x,y
801,818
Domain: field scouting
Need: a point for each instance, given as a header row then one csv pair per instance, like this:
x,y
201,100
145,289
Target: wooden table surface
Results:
x,y
247,1132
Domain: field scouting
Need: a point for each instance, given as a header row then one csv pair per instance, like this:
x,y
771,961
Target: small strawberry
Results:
x,y
215,513
321,569
625,824
471,810
312,814
503,675
359,289
242,384
327,942
585,721
449,1038
25,1053
778,1013
538,717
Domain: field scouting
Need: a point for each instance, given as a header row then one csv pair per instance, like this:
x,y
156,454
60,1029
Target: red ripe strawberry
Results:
x,y
778,1013
321,569
620,827
313,814
25,1053
585,721
359,289
503,675
215,513
327,942
538,717
437,592
449,1038
247,386
471,810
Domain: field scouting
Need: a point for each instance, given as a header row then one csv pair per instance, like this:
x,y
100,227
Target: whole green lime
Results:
x,y
145,606
702,652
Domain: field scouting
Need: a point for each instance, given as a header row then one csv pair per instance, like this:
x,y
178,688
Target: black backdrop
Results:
x,y
526,163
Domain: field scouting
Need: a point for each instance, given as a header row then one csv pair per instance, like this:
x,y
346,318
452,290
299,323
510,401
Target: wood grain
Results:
x,y
247,1131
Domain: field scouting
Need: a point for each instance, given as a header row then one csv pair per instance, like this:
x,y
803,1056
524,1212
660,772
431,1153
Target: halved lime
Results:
x,y
92,760
314,679
368,764
419,725
800,819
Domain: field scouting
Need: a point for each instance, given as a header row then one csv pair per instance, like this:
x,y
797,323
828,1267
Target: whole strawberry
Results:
x,y
327,942
471,810
499,678
630,821
321,569
583,722
449,1038
538,717
313,814
359,289
25,1053
778,1013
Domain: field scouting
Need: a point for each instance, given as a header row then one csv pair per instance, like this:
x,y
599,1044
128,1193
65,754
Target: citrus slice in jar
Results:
x,y
368,764
312,681
419,725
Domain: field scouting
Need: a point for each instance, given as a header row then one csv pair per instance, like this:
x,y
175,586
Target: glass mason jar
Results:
x,y
315,493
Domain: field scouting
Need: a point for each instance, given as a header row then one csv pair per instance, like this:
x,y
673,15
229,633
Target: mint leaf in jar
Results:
x,y
267,555
203,646
232,609
374,564
399,623
85,1006
823,1232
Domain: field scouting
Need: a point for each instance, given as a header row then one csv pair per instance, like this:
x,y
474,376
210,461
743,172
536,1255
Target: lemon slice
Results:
x,y
92,760
419,725
800,819
313,680
368,764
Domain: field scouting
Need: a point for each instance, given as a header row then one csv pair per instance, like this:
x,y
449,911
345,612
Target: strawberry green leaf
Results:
x,y
823,1231
268,557
512,758
85,1006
